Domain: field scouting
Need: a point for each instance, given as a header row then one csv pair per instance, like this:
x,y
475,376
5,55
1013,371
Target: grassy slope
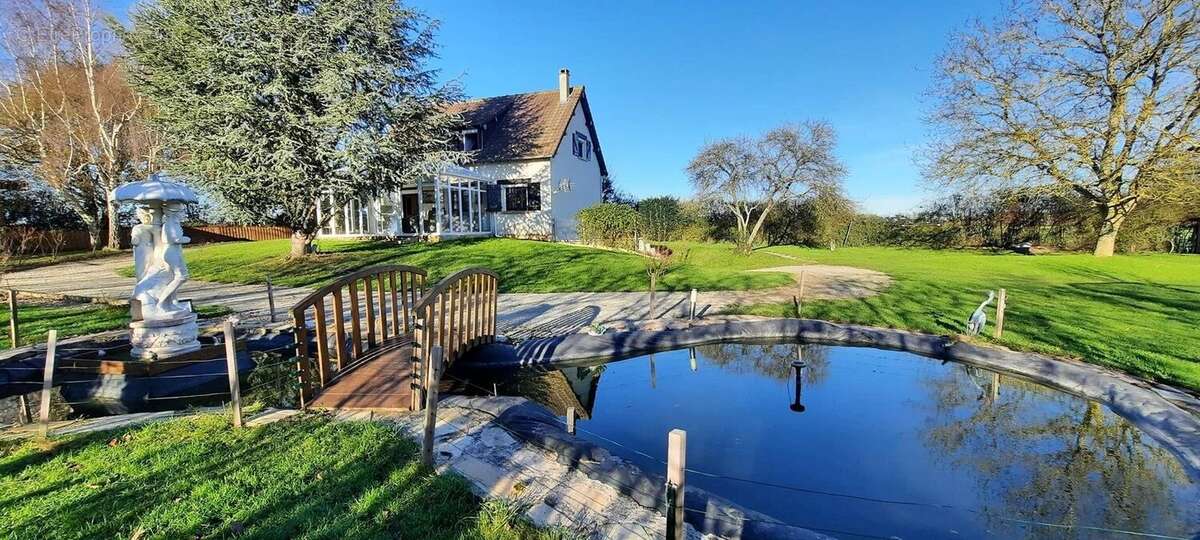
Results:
x,y
524,266
1138,313
73,320
197,477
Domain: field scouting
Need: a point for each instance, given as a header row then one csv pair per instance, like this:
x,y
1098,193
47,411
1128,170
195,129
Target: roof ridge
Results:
x,y
550,91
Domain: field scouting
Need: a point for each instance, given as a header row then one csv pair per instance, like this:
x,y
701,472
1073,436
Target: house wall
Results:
x,y
537,224
584,176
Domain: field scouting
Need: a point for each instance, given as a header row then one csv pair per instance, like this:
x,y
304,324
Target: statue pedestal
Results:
x,y
163,338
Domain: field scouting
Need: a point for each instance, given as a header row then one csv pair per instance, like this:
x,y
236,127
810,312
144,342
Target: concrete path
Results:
x,y
522,315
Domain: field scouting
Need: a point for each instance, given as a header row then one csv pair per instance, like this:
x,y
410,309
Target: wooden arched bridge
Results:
x,y
364,341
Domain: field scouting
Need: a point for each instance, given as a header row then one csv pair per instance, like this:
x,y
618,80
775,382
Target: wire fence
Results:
x,y
71,380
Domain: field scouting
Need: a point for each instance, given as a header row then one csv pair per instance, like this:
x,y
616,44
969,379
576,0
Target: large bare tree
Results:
x,y
1096,96
751,177
66,110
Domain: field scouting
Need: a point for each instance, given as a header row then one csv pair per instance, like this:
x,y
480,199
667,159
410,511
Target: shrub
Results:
x,y
610,224
662,218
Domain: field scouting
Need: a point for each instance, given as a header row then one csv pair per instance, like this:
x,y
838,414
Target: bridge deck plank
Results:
x,y
382,382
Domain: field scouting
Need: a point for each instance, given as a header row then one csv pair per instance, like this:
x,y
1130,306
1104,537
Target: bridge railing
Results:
x,y
457,314
361,301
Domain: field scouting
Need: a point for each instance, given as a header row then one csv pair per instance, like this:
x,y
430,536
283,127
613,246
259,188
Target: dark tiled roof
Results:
x,y
524,126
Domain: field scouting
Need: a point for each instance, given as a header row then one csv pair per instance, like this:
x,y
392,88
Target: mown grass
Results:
x,y
523,265
198,478
1137,313
72,320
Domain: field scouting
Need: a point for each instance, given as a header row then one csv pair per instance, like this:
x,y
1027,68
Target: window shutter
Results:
x,y
493,198
535,196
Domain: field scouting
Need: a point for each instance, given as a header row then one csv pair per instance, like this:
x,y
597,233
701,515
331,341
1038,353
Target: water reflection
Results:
x,y
979,453
1080,465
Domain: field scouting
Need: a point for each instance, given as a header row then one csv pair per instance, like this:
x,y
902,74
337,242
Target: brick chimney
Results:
x,y
564,84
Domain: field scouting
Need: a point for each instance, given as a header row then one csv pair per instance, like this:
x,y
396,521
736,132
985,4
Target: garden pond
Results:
x,y
856,442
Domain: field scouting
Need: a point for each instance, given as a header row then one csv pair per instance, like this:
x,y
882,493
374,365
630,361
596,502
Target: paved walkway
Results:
x,y
522,315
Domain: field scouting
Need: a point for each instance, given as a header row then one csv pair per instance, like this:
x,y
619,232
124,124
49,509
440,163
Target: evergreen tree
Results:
x,y
274,103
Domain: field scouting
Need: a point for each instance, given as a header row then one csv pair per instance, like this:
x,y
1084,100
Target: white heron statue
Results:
x,y
979,319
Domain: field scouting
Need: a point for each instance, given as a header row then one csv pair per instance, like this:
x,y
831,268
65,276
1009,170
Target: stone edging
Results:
x,y
1153,409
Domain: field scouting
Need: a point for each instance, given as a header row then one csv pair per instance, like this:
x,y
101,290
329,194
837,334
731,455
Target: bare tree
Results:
x,y
1096,96
751,177
66,110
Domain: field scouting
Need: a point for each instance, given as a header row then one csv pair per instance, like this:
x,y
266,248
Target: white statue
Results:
x,y
171,260
145,240
163,325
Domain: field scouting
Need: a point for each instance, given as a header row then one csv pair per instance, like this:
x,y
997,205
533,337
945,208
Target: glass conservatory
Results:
x,y
453,203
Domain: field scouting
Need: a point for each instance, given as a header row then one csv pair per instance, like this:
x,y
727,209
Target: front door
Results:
x,y
410,207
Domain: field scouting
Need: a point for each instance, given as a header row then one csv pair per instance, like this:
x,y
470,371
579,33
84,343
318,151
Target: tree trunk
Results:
x,y
114,222
1113,215
301,243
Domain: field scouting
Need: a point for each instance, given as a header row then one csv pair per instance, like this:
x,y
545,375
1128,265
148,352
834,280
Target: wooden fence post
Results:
x,y
47,382
13,336
800,297
571,420
271,298
1001,303
432,376
676,463
235,386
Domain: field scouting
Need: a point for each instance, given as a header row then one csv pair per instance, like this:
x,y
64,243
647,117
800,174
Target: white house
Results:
x,y
535,163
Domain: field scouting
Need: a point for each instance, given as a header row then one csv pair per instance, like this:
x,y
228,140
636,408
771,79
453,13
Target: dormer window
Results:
x,y
470,140
581,146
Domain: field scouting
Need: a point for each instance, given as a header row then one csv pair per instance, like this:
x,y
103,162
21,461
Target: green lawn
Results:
x,y
523,265
73,320
1138,313
1132,312
199,478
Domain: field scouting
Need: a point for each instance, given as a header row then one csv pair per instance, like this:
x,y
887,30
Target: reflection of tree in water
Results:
x,y
1044,455
772,360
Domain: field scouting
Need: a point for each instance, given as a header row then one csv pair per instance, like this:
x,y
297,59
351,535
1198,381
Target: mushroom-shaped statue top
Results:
x,y
155,189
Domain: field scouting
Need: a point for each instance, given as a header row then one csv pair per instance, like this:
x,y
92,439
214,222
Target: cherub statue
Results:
x,y
176,270
146,238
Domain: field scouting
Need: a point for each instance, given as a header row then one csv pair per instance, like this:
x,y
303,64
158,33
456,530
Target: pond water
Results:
x,y
879,444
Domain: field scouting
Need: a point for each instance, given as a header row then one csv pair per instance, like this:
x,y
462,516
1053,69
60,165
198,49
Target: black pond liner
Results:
x,y
197,383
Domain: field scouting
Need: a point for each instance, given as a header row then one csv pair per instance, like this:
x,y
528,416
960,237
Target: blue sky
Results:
x,y
665,77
